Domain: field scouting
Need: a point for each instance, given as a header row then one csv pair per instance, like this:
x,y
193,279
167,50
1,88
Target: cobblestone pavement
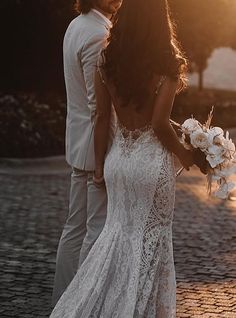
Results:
x,y
33,209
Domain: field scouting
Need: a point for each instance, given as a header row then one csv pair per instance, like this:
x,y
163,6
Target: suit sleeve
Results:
x,y
89,57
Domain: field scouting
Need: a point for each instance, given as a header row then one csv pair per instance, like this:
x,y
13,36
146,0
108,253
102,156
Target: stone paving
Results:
x,y
34,199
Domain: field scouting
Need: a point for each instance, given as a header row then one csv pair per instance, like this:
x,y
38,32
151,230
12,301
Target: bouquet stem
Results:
x,y
179,172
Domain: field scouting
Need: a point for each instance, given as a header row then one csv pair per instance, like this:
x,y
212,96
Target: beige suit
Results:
x,y
84,39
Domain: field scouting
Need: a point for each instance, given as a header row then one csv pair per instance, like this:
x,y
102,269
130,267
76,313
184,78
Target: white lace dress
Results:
x,y
130,272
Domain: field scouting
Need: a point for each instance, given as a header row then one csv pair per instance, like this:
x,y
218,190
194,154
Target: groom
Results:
x,y
84,39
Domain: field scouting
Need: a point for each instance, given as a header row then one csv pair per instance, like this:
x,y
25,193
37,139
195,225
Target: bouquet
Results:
x,y
219,151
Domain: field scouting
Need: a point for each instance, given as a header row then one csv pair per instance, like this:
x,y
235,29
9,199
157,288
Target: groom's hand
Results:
x,y
98,178
98,182
200,161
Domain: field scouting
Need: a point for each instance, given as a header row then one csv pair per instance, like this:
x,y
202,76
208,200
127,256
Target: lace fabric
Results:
x,y
129,272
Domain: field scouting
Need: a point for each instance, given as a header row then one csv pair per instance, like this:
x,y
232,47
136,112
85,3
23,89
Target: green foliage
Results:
x,y
31,126
34,126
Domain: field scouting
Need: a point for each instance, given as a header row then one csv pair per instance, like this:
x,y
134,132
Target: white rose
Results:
x,y
216,135
216,131
218,140
190,125
200,139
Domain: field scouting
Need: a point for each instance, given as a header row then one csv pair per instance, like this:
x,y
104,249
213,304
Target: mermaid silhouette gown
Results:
x,y
129,271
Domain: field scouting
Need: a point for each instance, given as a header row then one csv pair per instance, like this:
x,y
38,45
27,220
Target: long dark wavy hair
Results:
x,y
143,43
83,6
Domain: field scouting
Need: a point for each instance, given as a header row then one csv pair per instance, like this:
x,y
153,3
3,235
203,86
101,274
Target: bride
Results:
x,y
130,272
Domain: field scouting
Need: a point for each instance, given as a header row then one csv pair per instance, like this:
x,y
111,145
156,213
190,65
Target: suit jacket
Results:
x,y
84,39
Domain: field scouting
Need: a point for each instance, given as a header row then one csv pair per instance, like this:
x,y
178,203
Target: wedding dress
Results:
x,y
130,272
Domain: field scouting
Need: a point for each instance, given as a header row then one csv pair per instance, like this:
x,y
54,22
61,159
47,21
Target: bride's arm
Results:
x,y
161,122
102,124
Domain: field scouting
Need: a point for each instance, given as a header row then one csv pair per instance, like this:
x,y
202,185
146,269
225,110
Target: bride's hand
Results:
x,y
187,159
200,161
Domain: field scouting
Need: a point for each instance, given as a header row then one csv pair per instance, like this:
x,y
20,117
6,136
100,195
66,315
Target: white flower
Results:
x,y
214,161
220,152
216,135
216,131
216,150
223,173
215,155
200,139
224,189
218,140
190,125
229,147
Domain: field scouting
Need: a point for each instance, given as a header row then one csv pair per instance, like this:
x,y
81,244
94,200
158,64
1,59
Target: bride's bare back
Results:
x,y
156,112
129,115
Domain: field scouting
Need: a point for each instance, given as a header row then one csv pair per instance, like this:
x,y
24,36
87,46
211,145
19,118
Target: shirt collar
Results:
x,y
107,21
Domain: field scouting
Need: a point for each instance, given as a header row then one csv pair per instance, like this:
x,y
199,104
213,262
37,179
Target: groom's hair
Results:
x,y
83,6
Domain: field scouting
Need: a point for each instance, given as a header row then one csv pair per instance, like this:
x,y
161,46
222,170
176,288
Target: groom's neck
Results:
x,y
107,15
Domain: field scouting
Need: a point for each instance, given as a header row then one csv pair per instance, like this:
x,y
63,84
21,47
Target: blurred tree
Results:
x,y
32,34
231,29
203,25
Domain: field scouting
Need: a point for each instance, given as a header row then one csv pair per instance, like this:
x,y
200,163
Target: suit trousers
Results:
x,y
85,221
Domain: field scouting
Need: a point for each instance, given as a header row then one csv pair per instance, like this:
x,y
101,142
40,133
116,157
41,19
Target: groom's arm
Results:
x,y
102,124
89,56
